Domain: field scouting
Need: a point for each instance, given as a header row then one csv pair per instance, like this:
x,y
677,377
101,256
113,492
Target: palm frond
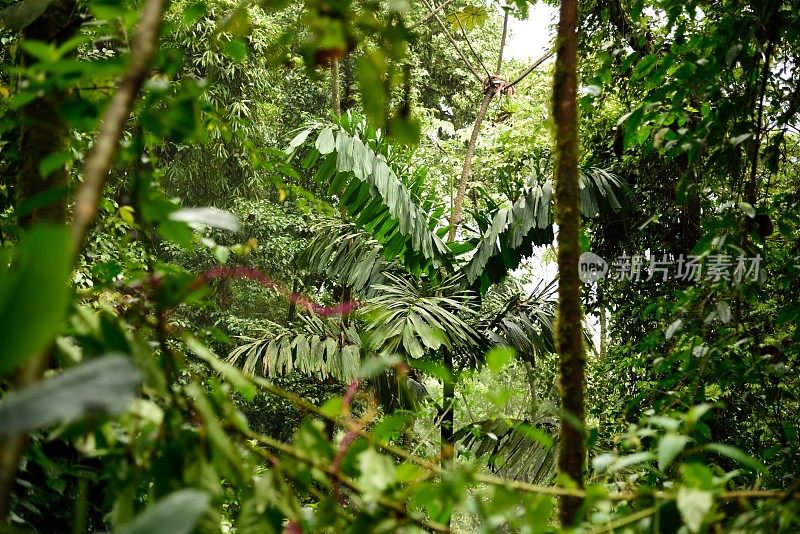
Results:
x,y
355,161
514,448
409,318
513,231
345,255
511,235
323,350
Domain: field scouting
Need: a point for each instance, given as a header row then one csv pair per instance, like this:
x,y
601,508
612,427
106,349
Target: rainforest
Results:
x,y
399,266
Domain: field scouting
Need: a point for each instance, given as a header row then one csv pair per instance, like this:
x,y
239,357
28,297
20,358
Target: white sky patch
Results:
x,y
529,39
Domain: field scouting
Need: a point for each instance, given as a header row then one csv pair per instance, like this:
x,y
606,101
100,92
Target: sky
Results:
x,y
529,39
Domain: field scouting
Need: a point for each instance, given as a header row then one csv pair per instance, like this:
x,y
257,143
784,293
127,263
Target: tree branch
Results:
x,y
430,14
480,61
98,162
547,55
450,38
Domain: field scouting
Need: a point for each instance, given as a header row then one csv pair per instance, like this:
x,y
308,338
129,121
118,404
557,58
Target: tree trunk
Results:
x,y
569,343
335,99
488,92
448,414
42,133
601,309
458,205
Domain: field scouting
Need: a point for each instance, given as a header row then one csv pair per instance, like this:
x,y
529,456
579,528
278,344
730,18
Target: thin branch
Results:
x,y
336,475
99,160
502,44
526,487
474,53
453,42
547,55
430,15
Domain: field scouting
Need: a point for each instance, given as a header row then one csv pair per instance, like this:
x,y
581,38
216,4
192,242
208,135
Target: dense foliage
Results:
x,y
312,266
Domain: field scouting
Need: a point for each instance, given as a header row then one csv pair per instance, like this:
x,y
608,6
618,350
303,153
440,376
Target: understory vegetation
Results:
x,y
356,266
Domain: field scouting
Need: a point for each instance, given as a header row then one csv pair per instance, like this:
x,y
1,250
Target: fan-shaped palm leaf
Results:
x,y
412,319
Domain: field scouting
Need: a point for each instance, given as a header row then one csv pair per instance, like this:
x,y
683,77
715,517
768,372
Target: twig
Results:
x,y
334,474
99,160
498,481
449,36
430,14
530,69
480,61
628,519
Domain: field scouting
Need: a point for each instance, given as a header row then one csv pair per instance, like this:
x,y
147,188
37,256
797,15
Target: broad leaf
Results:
x,y
105,386
34,295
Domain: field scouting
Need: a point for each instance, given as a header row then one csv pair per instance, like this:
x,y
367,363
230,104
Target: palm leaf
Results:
x,y
345,255
514,448
414,319
513,231
356,163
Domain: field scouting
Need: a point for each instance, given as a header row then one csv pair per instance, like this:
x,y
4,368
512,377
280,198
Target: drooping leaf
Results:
x,y
104,386
177,513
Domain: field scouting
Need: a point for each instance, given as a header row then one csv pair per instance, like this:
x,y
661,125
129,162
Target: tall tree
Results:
x,y
572,358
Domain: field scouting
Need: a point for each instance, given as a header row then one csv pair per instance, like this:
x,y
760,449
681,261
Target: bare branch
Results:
x,y
98,162
532,68
430,14
502,44
449,36
464,33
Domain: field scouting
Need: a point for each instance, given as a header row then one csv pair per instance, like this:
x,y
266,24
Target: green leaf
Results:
x,y
694,505
333,407
739,139
325,142
735,454
469,17
45,52
669,447
34,296
498,357
193,13
243,385
377,474
177,513
235,49
96,387
198,218
20,15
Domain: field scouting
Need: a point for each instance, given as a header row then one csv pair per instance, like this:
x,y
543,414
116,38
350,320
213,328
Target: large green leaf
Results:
x,y
411,318
325,349
345,255
177,513
515,448
34,295
355,162
105,386
20,15
512,231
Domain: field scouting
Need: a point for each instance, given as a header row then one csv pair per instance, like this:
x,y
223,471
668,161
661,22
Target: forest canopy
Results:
x,y
405,266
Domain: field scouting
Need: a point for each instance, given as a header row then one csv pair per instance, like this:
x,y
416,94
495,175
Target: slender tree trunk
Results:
x,y
458,205
335,98
488,92
601,308
448,413
42,133
572,359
